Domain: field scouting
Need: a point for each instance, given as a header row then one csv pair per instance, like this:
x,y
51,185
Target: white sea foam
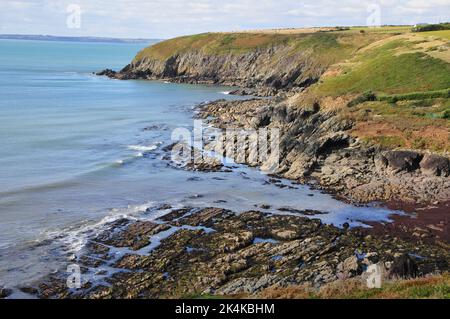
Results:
x,y
225,92
143,148
76,237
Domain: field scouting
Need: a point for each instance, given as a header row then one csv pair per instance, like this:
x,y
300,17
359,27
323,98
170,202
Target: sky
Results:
x,y
169,18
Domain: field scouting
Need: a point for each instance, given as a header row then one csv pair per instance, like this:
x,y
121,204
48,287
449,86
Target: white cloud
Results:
x,y
168,18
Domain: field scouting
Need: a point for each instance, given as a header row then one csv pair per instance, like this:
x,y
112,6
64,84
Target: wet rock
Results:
x,y
285,234
29,290
175,214
306,212
4,292
136,235
107,72
224,253
188,158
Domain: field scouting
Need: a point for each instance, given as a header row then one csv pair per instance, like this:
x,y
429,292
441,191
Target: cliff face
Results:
x,y
342,130
316,146
270,62
273,67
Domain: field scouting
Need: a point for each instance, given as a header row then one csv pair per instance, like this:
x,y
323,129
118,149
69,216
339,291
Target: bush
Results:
x,y
365,97
415,96
431,27
446,115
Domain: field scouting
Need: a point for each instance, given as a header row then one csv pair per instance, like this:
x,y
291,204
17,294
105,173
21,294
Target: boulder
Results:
x,y
350,267
400,161
435,165
107,72
4,293
403,267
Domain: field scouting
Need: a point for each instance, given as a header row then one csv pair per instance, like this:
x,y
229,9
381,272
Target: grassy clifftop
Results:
x,y
396,89
393,82
329,46
272,60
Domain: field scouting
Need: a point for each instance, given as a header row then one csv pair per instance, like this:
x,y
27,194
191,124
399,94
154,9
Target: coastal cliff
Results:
x,y
265,62
363,113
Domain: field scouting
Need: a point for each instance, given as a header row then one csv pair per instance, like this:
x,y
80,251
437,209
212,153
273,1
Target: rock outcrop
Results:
x,y
316,146
263,64
268,69
217,252
316,141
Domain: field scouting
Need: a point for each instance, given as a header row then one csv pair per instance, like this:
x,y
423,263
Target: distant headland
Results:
x,y
73,39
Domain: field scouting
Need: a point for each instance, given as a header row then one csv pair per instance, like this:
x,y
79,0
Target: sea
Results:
x,y
78,151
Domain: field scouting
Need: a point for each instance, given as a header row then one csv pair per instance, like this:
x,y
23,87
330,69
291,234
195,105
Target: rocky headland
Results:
x,y
362,134
327,136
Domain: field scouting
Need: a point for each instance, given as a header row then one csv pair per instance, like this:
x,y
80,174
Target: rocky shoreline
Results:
x,y
218,252
191,252
317,148
317,145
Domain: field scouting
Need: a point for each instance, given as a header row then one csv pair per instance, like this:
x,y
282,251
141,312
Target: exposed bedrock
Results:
x,y
316,146
214,251
264,71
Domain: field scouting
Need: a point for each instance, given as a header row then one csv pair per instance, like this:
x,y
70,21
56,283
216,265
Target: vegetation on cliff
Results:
x,y
396,90
432,287
394,83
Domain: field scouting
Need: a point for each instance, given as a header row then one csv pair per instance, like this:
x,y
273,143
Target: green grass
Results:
x,y
326,47
386,141
213,43
413,289
435,287
382,29
445,34
385,70
415,96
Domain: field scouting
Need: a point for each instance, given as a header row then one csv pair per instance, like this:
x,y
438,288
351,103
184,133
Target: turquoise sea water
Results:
x,y
78,149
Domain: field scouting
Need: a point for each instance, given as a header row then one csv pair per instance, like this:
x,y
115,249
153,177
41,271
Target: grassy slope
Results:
x,y
436,287
394,67
329,47
432,287
409,68
390,61
441,34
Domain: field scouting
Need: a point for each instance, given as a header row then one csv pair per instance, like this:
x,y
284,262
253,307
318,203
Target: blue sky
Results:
x,y
169,18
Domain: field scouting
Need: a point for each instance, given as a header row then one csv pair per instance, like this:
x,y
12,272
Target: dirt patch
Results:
x,y
388,134
421,223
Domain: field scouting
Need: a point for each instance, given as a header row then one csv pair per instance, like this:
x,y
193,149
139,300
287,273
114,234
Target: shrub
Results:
x,y
446,115
365,97
431,27
415,96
